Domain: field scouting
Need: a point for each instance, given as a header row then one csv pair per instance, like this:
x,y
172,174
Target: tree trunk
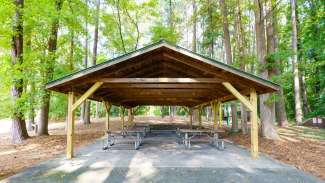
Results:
x,y
227,44
95,47
194,25
294,43
241,53
272,47
31,96
18,126
48,75
266,109
306,108
86,114
86,119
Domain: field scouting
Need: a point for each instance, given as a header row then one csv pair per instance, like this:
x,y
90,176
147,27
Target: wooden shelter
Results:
x,y
163,74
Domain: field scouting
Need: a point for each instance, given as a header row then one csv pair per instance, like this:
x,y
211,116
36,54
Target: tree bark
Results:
x,y
86,114
120,24
305,104
227,44
272,47
18,126
194,25
266,109
95,48
298,110
48,75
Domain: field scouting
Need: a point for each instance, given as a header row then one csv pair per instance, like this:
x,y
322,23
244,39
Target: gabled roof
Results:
x,y
160,60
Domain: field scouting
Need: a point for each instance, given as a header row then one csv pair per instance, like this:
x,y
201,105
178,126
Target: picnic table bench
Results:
x,y
135,133
185,136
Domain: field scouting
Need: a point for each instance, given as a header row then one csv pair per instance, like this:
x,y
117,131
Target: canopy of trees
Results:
x,y
41,40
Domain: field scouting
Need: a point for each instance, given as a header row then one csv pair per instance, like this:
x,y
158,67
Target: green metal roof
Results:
x,y
206,59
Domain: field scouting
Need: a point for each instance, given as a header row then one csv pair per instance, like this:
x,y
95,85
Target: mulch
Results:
x,y
307,155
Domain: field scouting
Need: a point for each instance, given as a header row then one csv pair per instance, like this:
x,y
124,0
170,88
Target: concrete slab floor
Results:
x,y
161,159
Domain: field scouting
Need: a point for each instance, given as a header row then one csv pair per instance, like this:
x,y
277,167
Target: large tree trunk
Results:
x,y
306,108
266,109
227,44
272,47
86,114
95,48
18,126
48,75
194,26
239,30
294,43
31,95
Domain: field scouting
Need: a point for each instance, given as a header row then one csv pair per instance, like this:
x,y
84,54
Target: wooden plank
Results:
x,y
89,92
236,93
122,117
70,126
200,116
160,80
254,125
191,117
162,85
220,115
108,106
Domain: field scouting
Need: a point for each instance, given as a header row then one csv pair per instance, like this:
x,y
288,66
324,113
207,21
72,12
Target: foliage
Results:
x,y
147,21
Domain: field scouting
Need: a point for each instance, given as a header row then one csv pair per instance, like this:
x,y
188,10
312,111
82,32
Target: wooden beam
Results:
x,y
220,115
191,117
254,125
122,117
200,116
160,80
89,92
108,108
70,125
236,93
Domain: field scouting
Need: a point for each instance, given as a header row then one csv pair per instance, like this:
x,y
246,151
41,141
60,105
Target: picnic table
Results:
x,y
185,136
145,126
136,133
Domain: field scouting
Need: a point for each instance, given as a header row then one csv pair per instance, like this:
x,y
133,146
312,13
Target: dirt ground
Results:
x,y
302,147
15,158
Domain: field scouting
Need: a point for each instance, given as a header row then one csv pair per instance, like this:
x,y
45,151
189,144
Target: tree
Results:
x,y
294,42
194,25
227,44
49,71
95,46
272,49
266,107
18,127
85,117
240,43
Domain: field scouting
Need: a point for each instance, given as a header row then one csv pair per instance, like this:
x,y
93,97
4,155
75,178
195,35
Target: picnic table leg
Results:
x,y
186,140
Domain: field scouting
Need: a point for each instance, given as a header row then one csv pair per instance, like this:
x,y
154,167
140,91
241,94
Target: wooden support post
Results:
x,y
130,117
87,94
251,104
254,125
200,116
220,115
215,114
108,108
191,117
72,106
237,94
70,125
122,117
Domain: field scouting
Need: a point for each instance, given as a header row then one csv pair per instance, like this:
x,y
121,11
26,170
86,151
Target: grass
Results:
x,y
303,132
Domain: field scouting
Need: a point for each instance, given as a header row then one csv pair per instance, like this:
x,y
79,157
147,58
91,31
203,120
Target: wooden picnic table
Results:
x,y
136,133
187,134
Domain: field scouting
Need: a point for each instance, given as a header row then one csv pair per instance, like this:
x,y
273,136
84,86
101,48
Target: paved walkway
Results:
x,y
161,159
